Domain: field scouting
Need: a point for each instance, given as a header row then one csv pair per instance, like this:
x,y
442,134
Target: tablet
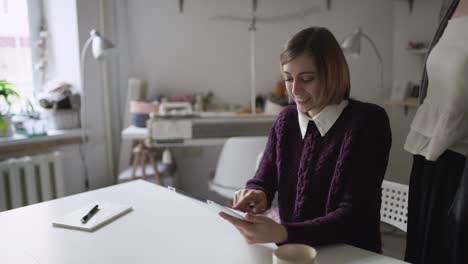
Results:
x,y
219,208
213,206
188,195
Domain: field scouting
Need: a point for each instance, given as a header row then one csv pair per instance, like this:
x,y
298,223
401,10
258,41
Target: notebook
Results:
x,y
107,212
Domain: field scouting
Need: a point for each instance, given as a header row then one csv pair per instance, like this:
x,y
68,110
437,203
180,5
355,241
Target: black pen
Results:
x,y
90,214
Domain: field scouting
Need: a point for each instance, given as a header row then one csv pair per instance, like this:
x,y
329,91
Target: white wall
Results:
x,y
88,13
63,65
69,23
417,26
186,53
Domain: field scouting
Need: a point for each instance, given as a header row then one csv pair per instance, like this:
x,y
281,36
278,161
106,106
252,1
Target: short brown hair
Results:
x,y
333,70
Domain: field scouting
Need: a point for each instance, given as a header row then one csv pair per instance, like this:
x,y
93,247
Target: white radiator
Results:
x,y
31,179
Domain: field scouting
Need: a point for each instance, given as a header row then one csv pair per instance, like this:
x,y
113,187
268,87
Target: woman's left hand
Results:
x,y
258,229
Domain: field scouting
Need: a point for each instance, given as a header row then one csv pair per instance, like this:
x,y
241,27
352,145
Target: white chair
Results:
x,y
394,207
394,214
237,163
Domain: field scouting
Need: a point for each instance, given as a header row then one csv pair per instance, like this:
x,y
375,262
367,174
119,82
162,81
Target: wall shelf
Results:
x,y
404,102
421,52
20,144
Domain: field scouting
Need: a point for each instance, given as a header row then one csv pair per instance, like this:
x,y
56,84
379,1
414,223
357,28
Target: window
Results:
x,y
15,49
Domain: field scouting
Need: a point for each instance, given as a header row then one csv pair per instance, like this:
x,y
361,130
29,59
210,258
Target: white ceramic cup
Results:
x,y
295,254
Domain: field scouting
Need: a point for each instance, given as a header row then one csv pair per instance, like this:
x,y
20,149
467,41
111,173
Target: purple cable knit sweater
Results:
x,y
328,187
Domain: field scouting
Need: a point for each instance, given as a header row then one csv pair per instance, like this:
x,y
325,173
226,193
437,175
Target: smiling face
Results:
x,y
303,83
315,70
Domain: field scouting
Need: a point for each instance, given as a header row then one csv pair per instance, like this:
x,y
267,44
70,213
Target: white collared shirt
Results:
x,y
323,120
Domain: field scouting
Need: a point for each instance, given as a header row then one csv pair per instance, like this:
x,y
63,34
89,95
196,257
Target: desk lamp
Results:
x,y
99,46
352,45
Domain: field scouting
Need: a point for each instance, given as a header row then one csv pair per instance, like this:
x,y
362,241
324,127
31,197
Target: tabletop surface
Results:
x,y
163,227
133,132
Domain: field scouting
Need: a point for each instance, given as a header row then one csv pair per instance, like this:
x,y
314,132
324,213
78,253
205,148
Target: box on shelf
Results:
x,y
62,119
139,112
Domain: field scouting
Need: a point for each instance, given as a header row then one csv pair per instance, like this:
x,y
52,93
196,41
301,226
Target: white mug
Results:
x,y
295,254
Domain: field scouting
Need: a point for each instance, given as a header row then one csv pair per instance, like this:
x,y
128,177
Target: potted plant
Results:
x,y
5,118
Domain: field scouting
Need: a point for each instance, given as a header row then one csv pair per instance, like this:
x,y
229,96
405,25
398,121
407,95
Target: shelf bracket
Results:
x,y
411,3
406,109
181,6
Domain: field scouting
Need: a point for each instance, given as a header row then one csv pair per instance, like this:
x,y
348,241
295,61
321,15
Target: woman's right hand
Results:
x,y
249,200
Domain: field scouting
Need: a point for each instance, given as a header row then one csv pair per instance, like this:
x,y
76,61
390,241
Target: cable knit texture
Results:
x,y
328,187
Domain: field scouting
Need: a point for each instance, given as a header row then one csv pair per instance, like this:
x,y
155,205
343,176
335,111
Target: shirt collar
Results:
x,y
323,120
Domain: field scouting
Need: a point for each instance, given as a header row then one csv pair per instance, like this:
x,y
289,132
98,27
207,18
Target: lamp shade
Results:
x,y
352,43
99,44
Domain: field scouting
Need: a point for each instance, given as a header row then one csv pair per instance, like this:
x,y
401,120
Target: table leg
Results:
x,y
136,158
156,173
143,162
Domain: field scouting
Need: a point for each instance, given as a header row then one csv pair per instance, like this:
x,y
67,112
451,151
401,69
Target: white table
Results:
x,y
210,135
141,134
164,227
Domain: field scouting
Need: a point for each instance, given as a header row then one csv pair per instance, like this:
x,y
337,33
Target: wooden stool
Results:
x,y
141,154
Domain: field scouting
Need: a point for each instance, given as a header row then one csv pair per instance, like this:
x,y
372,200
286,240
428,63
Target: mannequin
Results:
x,y
459,209
438,139
461,10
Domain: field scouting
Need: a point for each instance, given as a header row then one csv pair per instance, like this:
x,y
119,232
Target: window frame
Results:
x,y
36,21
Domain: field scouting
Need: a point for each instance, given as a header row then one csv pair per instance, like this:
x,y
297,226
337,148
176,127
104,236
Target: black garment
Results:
x,y
432,190
459,222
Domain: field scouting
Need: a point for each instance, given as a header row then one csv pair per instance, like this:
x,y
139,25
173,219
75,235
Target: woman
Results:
x,y
438,140
326,156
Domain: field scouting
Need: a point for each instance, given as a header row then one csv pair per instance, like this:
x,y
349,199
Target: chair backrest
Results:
x,y
394,208
236,164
